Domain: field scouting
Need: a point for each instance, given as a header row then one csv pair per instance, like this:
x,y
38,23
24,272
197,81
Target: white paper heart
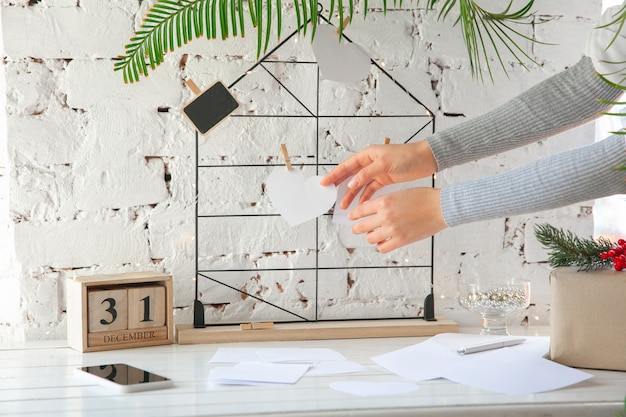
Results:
x,y
339,60
296,198
373,389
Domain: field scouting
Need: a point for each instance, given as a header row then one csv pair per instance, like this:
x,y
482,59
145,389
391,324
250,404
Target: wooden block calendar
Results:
x,y
119,311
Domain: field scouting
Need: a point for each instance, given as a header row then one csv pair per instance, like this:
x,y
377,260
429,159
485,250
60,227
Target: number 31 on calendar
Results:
x,y
123,311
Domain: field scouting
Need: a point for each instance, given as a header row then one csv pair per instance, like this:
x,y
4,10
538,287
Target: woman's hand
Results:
x,y
400,218
380,165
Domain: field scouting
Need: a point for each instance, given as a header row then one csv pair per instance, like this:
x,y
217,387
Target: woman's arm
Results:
x,y
555,181
563,101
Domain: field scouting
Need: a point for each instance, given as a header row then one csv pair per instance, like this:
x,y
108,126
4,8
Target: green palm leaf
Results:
x,y
483,30
619,18
169,24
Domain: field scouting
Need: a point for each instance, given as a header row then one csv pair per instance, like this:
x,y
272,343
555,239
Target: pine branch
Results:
x,y
567,249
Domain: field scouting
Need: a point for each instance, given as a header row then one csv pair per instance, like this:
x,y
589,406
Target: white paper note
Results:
x,y
335,368
256,373
517,369
296,198
509,371
420,362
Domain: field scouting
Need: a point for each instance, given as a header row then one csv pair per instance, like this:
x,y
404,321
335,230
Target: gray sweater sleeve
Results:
x,y
563,101
566,100
555,181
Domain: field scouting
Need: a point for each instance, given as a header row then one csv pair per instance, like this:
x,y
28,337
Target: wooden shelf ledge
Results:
x,y
320,330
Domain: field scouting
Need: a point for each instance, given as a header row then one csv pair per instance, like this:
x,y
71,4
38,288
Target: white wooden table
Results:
x,y
36,379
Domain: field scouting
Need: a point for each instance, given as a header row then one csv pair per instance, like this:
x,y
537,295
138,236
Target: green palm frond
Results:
x,y
483,30
169,24
619,18
615,114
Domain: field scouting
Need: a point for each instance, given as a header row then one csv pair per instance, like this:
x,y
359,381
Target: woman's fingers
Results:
x,y
346,169
399,218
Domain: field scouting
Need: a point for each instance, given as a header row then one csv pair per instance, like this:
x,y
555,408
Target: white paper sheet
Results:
x,y
373,389
420,362
322,361
258,373
335,368
512,370
297,198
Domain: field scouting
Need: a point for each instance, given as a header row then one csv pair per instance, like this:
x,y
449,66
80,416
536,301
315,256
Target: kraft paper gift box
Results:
x,y
588,318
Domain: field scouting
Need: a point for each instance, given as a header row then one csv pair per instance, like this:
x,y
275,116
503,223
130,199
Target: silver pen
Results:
x,y
481,347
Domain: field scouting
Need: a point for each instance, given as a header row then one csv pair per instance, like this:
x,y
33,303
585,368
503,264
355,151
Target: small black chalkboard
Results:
x,y
209,108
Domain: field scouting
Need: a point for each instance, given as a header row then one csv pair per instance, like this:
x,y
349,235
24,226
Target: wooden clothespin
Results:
x,y
283,149
256,326
387,141
193,87
344,24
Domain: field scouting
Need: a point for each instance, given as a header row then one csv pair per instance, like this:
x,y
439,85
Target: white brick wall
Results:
x,y
83,157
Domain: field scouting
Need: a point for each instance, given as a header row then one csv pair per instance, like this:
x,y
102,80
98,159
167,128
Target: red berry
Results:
x,y
616,255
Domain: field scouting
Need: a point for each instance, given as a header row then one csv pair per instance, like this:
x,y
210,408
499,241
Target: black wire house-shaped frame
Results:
x,y
260,268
